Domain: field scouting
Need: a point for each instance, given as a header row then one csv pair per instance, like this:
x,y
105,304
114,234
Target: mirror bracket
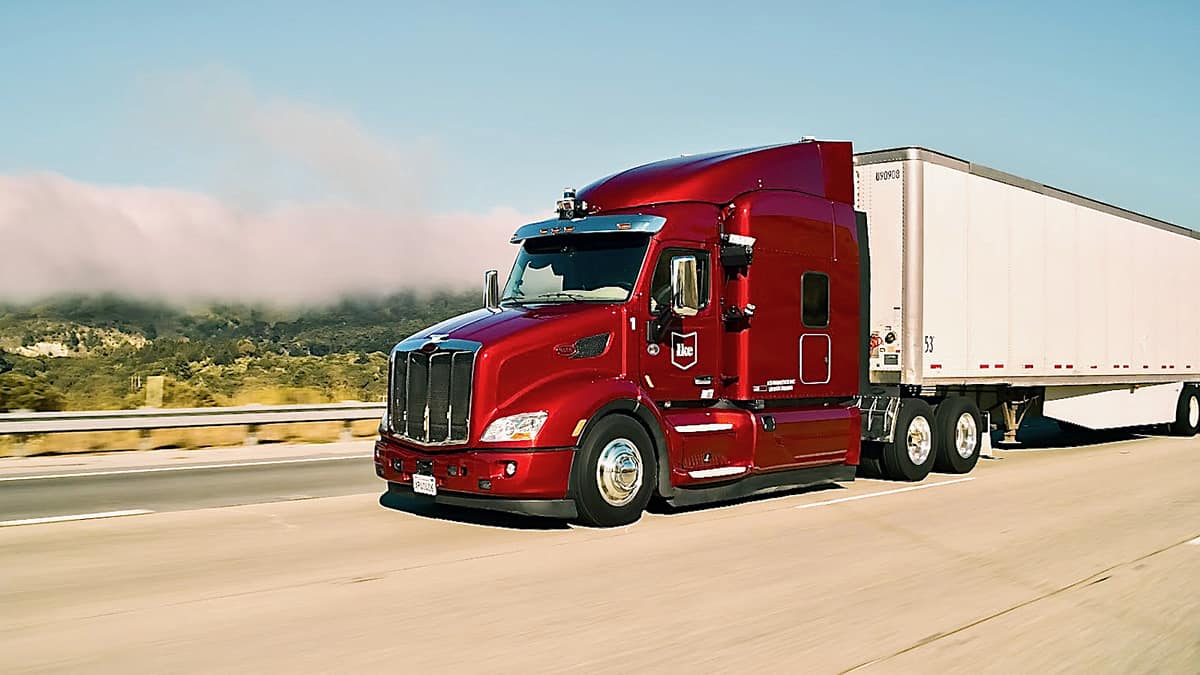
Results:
x,y
737,251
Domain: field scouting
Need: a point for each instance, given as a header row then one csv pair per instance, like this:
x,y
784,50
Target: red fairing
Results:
x,y
797,235
822,169
802,438
854,437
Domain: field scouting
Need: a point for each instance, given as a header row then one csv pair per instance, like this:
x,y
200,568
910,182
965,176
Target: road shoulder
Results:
x,y
13,467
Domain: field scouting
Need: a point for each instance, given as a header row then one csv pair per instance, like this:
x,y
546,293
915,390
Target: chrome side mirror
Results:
x,y
685,286
491,291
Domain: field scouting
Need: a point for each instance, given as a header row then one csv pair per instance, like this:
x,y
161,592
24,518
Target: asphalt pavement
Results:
x,y
1080,560
49,495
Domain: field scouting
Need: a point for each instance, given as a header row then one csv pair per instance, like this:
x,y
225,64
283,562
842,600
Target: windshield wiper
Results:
x,y
558,294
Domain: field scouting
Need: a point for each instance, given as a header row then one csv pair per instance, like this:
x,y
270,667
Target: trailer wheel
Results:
x,y
911,453
613,475
959,435
1187,412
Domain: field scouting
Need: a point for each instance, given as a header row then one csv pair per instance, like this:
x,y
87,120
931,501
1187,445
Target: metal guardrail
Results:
x,y
29,423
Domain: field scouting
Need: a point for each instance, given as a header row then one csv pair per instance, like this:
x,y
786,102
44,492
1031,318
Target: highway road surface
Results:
x,y
1080,560
47,496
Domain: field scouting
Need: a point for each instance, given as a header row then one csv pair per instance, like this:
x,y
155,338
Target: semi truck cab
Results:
x,y
689,330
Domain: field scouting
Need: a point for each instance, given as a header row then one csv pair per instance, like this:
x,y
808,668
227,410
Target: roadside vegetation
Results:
x,y
97,353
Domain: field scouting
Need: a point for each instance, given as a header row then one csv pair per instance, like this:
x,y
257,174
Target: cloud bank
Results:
x,y
363,230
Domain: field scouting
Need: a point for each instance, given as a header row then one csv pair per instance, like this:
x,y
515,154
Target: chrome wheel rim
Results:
x,y
619,471
966,435
1194,412
919,441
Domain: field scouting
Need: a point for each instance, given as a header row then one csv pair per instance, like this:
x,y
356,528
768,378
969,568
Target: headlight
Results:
x,y
522,427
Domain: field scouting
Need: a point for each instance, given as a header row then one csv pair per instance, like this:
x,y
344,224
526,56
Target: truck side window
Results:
x,y
815,290
660,283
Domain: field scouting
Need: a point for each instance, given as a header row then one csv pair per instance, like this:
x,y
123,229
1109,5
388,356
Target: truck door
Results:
x,y
682,365
815,343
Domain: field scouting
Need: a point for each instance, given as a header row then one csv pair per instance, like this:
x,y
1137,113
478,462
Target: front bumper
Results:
x,y
547,508
476,478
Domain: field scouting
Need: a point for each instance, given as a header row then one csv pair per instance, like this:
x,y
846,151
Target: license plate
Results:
x,y
425,485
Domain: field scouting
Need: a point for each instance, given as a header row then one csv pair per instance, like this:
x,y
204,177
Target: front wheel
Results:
x,y
614,473
910,454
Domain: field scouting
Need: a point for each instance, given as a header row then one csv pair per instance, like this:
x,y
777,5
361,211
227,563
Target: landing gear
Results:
x,y
1014,411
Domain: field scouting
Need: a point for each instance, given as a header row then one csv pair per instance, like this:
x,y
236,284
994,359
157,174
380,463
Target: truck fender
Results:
x,y
647,415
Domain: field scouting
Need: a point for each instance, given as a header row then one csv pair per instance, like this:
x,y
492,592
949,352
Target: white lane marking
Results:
x,y
885,492
1194,542
718,471
80,516
193,467
699,428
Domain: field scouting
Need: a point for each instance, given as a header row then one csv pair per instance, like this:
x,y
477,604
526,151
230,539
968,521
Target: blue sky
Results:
x,y
510,102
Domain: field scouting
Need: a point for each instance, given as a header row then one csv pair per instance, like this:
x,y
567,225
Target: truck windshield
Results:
x,y
579,268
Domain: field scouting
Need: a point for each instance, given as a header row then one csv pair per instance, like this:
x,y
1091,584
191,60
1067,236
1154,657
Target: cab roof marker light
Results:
x,y
591,224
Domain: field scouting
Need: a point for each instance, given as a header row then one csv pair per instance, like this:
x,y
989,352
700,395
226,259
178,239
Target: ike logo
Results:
x,y
683,350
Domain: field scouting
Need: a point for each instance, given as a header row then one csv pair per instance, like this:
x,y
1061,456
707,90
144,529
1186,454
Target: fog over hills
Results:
x,y
311,207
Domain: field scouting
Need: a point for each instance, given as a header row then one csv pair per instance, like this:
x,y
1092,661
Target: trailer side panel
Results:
x,y
1024,284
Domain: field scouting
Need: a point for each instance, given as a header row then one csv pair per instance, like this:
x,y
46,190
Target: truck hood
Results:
x,y
528,353
564,321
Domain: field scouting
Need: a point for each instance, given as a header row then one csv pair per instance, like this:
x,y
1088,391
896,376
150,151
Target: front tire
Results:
x,y
614,473
1187,412
959,435
911,454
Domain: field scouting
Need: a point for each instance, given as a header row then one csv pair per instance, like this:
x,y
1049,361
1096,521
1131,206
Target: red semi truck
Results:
x,y
710,327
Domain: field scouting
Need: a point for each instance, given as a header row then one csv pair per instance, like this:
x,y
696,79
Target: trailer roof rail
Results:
x,y
943,159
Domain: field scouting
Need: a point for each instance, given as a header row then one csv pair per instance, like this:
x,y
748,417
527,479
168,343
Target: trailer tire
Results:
x,y
911,453
959,435
1187,412
614,473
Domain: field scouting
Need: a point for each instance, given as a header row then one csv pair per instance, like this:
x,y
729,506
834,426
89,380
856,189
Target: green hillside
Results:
x,y
84,353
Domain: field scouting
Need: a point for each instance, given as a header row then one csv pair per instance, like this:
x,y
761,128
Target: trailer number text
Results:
x,y
890,174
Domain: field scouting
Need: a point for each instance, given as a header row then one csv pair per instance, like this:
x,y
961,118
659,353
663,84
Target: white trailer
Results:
x,y
1021,296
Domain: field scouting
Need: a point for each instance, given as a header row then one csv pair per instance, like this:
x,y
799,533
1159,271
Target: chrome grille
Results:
x,y
429,393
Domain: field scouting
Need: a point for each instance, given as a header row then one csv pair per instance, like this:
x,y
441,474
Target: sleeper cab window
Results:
x,y
660,284
815,291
